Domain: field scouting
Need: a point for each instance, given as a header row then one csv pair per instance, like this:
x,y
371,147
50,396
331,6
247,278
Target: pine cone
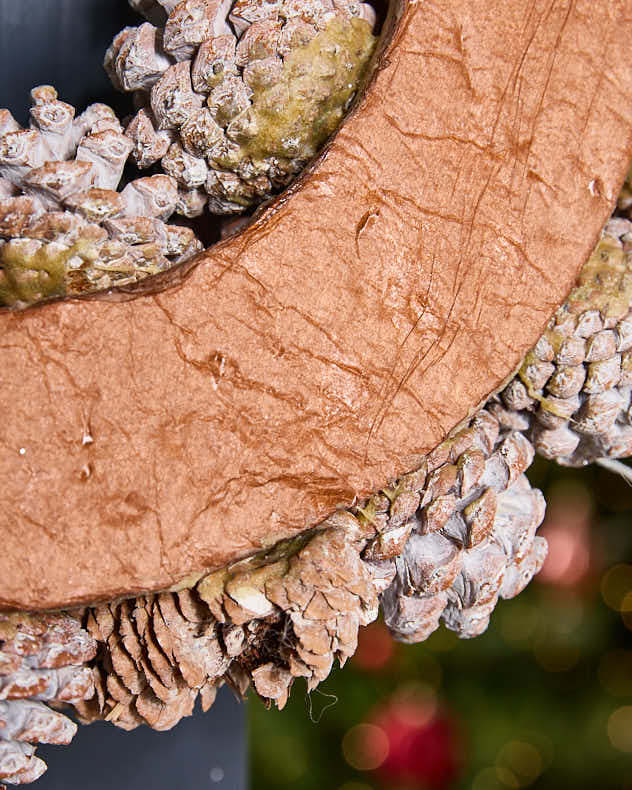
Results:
x,y
42,658
235,98
572,393
64,229
470,540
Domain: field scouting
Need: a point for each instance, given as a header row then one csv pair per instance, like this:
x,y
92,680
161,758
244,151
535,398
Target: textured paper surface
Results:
x,y
322,352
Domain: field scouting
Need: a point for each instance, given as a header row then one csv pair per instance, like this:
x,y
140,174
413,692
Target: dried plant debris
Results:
x,y
236,97
572,393
43,658
64,228
444,543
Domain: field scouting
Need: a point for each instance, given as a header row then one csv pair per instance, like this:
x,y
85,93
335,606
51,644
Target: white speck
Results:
x,y
216,774
86,438
86,471
592,187
22,451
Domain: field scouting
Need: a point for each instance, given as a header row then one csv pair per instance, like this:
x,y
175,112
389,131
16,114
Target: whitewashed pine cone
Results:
x,y
65,230
43,658
236,97
572,395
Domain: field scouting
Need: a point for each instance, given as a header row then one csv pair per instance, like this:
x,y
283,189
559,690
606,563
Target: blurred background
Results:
x,y
542,700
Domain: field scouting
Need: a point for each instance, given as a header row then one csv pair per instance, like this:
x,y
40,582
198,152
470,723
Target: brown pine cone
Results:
x,y
572,393
236,97
64,229
42,658
153,661
266,621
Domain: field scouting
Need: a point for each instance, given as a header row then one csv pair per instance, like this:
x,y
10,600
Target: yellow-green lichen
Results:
x,y
532,392
605,282
31,274
295,116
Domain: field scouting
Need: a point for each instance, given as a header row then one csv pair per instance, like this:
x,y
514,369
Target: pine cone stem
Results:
x,y
616,467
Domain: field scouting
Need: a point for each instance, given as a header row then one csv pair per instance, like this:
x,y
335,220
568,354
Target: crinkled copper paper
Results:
x,y
324,350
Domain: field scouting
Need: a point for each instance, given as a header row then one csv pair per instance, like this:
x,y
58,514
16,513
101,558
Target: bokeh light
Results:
x,y
424,749
521,761
567,530
616,586
365,747
620,728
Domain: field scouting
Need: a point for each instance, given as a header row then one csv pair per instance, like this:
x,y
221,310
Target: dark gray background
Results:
x,y
62,42
203,752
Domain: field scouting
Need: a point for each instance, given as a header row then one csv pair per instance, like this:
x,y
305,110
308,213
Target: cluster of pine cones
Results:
x,y
64,227
443,543
234,99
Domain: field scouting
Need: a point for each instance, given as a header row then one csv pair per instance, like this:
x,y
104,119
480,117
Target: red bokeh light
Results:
x,y
424,749
567,530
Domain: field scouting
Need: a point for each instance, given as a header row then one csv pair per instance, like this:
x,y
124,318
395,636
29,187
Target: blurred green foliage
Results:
x,y
543,699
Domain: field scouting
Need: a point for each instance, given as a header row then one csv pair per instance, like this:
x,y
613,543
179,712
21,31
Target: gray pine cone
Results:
x,y
572,393
64,229
42,658
236,97
470,540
